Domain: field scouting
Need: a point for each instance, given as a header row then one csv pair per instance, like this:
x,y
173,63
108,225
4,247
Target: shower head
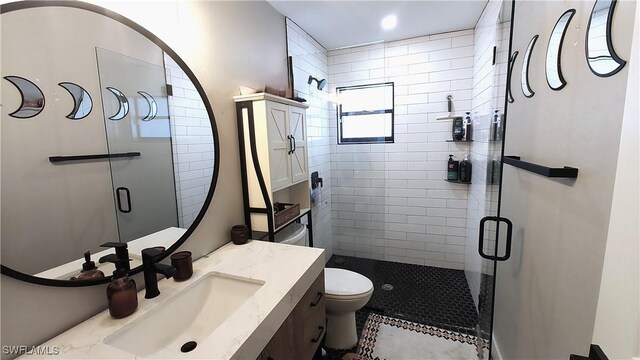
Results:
x,y
321,83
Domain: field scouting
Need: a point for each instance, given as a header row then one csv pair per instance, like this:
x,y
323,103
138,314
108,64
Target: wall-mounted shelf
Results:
x,y
563,172
448,118
457,181
459,141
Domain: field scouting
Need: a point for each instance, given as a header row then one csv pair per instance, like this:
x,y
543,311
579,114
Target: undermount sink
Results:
x,y
189,316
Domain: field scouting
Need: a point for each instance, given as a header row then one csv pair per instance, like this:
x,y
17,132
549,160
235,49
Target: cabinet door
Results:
x,y
279,159
298,129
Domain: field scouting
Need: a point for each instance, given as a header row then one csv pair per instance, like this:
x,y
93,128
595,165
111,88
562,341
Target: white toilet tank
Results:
x,y
294,234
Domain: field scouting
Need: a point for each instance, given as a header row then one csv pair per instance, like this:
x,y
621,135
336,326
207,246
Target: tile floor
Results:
x,y
423,294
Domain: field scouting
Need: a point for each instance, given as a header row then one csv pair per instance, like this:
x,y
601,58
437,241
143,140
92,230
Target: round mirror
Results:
x,y
554,50
107,136
601,57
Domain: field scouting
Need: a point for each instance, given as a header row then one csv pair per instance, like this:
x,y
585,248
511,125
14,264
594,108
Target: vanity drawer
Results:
x,y
301,333
310,319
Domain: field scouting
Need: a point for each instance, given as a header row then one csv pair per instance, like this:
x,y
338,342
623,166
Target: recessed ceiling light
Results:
x,y
389,22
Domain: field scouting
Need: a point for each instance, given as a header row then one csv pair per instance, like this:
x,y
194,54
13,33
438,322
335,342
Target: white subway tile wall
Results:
x,y
192,144
310,58
391,201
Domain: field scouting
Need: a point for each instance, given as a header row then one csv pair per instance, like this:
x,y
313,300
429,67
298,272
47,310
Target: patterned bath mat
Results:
x,y
387,338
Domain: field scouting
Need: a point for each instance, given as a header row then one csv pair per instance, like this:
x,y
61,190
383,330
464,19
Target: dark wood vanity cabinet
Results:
x,y
301,333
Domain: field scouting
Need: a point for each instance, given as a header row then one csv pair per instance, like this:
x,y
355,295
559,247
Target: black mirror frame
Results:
x,y
527,57
21,5
610,49
512,61
559,56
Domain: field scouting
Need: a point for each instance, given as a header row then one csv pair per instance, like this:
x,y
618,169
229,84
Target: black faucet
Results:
x,y
120,258
151,268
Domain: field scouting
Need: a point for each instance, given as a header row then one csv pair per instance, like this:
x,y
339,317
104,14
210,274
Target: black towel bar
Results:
x,y
564,172
55,159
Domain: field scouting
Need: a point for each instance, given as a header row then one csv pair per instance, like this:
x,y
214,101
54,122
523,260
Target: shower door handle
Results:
x,y
507,253
119,199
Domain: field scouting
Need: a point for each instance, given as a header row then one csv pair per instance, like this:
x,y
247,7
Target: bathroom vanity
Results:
x,y
260,300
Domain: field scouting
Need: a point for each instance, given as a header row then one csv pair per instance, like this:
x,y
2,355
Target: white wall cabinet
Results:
x,y
273,152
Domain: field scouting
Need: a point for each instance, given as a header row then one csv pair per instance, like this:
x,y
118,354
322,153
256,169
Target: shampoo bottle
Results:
x,y
465,170
452,169
468,129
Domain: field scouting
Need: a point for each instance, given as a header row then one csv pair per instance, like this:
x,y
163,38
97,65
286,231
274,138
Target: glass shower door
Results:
x,y
485,227
138,132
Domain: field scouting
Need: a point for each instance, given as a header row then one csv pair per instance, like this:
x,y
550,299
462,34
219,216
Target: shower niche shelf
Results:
x,y
457,181
459,141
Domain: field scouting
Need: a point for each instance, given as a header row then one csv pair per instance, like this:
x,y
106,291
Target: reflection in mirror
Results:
x,y
53,212
82,103
32,98
123,104
524,77
512,61
554,51
601,57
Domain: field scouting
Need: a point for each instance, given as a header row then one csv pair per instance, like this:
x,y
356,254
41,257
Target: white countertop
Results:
x,y
287,271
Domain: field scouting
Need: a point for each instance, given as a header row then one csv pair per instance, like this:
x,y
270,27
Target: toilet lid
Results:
x,y
345,282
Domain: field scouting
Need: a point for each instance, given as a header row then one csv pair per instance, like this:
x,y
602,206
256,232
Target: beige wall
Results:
x,y
547,293
617,328
226,44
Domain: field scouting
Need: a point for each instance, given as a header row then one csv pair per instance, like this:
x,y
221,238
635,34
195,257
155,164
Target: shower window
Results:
x,y
365,114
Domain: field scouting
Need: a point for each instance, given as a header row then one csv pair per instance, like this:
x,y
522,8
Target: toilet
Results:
x,y
345,291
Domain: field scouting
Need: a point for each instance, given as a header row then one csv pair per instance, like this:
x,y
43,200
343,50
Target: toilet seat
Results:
x,y
343,284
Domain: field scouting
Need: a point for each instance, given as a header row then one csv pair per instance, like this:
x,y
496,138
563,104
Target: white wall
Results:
x,y
547,293
192,143
310,58
617,327
226,44
391,201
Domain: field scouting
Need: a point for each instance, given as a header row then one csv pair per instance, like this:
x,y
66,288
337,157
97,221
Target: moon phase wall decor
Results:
x,y
32,98
553,67
153,106
82,103
524,77
124,104
601,56
512,61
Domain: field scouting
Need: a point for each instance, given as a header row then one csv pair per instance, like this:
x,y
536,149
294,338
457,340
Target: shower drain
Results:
x,y
387,287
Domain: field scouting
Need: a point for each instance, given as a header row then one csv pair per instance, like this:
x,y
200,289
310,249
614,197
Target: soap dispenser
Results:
x,y
465,170
89,269
122,294
452,169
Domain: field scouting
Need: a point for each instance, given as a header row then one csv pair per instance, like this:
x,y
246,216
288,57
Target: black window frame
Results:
x,y
369,140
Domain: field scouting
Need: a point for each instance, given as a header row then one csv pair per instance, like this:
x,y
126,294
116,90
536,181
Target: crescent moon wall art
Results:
x,y
82,103
32,98
512,61
553,68
524,76
124,104
601,57
153,107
